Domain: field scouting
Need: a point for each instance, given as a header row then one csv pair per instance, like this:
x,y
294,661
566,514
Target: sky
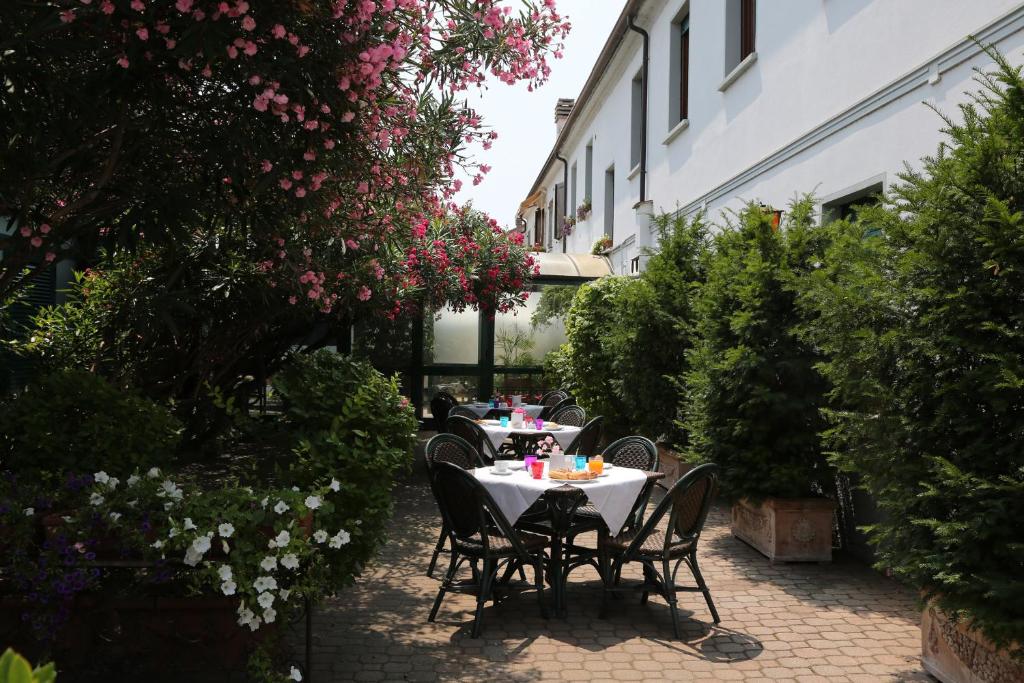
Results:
x,y
525,121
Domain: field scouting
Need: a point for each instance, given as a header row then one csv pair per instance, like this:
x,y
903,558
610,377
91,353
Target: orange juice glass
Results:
x,y
596,464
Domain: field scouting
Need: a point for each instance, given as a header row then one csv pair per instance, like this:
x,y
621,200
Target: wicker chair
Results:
x,y
572,416
567,401
686,505
461,411
440,406
457,451
479,532
550,400
475,435
589,437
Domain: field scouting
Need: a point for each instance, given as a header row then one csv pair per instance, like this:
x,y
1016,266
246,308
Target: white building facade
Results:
x,y
752,100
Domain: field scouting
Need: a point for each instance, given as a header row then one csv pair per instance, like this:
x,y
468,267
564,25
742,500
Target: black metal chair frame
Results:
x,y
473,459
550,400
567,401
481,442
681,543
589,436
462,533
449,401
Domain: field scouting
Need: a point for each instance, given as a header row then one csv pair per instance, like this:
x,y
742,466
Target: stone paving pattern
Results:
x,y
784,622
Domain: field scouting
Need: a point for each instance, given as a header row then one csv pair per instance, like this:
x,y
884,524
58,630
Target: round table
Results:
x,y
564,435
482,409
613,495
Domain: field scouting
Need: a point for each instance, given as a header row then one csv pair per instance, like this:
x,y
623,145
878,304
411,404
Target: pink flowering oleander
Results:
x,y
323,123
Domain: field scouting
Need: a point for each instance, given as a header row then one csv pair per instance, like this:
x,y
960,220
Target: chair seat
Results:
x,y
653,546
500,545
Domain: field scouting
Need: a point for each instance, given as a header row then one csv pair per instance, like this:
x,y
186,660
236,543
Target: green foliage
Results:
x,y
351,424
554,304
15,669
513,347
923,327
558,369
74,421
601,244
591,355
753,395
628,336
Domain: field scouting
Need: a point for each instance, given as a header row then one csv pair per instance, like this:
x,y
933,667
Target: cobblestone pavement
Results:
x,y
782,622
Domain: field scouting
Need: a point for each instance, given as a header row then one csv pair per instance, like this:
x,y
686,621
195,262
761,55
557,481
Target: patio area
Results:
x,y
781,622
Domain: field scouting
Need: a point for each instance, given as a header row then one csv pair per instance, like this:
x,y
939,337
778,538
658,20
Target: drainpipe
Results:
x,y
565,193
643,106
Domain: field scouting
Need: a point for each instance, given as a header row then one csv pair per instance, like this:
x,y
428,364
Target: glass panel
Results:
x,y
524,336
530,385
462,387
451,337
385,343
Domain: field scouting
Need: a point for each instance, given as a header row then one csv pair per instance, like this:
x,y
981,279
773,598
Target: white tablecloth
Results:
x,y
482,409
563,436
612,495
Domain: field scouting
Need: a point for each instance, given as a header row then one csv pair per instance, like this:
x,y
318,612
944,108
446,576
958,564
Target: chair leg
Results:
x,y
648,580
445,584
486,579
437,551
538,581
670,595
703,586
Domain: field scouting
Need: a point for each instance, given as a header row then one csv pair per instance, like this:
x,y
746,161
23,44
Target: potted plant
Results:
x,y
918,310
602,245
568,223
584,209
753,396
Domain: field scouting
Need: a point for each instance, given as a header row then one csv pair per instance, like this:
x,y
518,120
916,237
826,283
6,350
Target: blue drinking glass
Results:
x,y
581,462
504,421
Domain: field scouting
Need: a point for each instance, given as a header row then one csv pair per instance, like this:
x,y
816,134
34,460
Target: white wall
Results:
x,y
835,97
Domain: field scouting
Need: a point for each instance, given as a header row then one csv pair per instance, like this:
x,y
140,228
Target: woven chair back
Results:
x,y
637,452
589,437
452,449
572,416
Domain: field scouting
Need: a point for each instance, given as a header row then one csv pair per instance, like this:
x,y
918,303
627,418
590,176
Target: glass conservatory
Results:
x,y
471,356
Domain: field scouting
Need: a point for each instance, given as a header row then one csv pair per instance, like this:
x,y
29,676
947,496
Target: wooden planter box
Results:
x,y
956,653
787,530
672,465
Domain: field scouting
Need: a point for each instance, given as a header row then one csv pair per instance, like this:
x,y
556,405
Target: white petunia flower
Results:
x,y
268,563
133,480
312,502
101,477
113,482
290,561
154,473
295,488
173,532
335,485
320,536
228,587
226,529
225,572
265,599
29,511
192,557
189,525
281,507
201,544
269,614
295,674
263,503
245,615
265,583
158,544
283,539
284,594
114,516
340,539
96,499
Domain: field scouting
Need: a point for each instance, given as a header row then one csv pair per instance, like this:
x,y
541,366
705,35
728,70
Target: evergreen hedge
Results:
x,y
923,327
753,396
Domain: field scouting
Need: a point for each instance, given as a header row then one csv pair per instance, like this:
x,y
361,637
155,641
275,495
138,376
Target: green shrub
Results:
x,y
15,669
923,326
753,395
74,421
352,426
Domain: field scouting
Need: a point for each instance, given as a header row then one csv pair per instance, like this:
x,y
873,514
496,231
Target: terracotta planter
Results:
x,y
787,530
672,465
956,653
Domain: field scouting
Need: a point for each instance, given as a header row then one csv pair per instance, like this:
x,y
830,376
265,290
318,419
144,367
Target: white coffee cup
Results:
x,y
501,466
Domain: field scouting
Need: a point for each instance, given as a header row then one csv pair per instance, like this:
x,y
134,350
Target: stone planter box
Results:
x,y
787,530
672,465
955,653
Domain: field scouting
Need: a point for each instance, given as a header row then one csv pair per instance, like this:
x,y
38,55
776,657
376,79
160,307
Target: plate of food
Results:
x,y
551,426
572,475
489,423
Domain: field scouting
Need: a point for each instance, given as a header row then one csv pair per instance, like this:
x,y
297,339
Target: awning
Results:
x,y
533,200
572,265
